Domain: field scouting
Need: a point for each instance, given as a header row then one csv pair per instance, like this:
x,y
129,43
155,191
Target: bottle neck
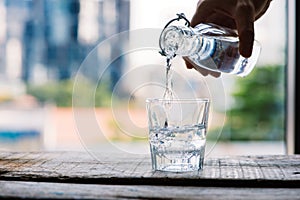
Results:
x,y
181,41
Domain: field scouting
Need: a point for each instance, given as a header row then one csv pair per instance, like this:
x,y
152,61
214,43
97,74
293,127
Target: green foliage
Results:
x,y
61,92
258,112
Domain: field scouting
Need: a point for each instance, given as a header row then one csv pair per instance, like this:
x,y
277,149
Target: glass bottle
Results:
x,y
208,46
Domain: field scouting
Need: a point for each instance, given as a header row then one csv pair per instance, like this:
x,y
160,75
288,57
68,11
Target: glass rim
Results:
x,y
176,100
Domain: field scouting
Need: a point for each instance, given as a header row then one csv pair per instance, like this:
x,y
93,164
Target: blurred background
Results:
x,y
56,56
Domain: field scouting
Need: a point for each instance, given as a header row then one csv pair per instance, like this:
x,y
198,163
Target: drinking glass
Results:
x,y
177,133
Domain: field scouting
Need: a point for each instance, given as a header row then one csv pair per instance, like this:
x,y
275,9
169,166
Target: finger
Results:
x,y
222,20
204,10
188,64
212,73
245,16
263,10
204,72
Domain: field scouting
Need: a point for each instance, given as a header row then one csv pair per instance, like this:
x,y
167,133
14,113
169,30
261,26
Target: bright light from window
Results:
x,y
2,22
88,22
14,58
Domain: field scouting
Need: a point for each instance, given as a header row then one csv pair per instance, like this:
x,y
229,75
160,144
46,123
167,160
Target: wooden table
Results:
x,y
82,175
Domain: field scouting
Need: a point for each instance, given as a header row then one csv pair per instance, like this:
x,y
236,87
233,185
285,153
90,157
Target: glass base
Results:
x,y
165,162
178,168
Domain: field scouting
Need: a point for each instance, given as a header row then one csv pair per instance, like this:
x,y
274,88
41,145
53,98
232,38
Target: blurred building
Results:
x,y
48,39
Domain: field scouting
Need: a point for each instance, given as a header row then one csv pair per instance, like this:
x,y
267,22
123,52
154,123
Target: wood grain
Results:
x,y
41,190
132,169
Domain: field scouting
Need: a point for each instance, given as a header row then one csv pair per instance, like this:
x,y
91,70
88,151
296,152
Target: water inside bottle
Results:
x,y
211,47
218,54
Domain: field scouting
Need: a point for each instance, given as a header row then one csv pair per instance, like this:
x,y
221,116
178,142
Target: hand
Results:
x,y
234,14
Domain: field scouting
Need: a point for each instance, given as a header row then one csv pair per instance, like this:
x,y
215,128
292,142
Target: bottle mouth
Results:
x,y
170,40
180,16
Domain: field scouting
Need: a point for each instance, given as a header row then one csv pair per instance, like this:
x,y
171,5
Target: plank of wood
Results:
x,y
133,169
19,189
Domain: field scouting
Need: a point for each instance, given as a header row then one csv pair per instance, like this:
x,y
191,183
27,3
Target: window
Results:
x,y
292,138
101,57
